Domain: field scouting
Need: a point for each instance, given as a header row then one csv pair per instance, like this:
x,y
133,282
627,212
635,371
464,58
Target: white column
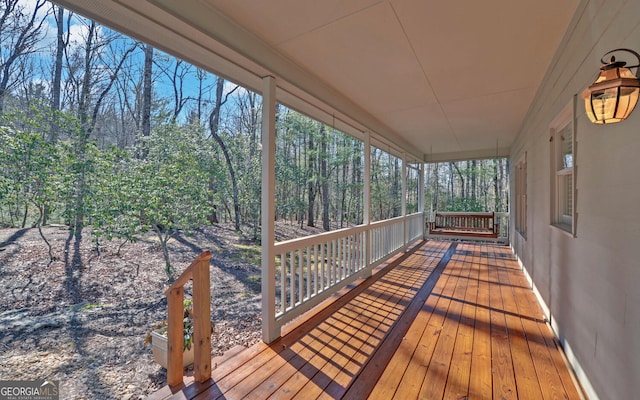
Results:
x,y
421,188
366,201
421,198
403,201
270,330
366,197
404,184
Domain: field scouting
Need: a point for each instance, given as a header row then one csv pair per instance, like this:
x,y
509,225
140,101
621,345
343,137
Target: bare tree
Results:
x,y
176,71
62,40
214,124
88,110
19,35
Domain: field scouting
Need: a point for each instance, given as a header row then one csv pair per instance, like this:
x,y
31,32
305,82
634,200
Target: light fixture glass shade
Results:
x,y
613,96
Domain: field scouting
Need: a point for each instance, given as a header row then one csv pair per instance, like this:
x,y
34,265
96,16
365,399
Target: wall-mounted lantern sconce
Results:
x,y
614,94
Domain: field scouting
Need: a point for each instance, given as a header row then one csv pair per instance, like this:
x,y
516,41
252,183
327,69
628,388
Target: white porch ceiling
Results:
x,y
439,79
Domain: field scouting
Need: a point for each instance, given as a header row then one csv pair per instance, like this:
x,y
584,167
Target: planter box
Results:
x,y
159,346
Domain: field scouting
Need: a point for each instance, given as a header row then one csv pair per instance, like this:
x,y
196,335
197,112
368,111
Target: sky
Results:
x,y
78,29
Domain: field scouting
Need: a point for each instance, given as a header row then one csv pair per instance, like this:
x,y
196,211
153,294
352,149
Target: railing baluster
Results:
x,y
308,257
356,250
283,283
292,280
340,266
330,280
345,257
349,251
334,266
300,276
323,266
315,269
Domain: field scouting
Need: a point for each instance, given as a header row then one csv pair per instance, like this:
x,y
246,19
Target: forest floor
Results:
x,y
82,319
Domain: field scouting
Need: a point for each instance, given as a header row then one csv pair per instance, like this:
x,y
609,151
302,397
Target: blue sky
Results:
x,y
78,32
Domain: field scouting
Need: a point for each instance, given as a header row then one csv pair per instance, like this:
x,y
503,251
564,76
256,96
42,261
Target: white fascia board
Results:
x,y
150,24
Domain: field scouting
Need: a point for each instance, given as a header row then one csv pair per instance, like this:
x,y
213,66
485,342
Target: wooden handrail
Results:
x,y
198,271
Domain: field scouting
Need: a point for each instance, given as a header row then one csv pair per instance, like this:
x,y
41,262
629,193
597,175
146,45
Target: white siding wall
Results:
x,y
590,283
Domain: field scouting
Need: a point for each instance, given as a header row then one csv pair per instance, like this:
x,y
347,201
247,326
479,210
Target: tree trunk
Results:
x,y
163,237
324,174
57,74
214,123
311,194
461,176
474,167
146,91
201,75
83,114
343,190
357,174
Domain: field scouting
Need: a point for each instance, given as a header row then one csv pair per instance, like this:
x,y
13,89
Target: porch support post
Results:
x,y
421,187
270,330
366,197
403,200
366,206
421,197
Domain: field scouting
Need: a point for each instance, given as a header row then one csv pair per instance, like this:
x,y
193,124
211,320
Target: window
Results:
x,y
521,196
563,162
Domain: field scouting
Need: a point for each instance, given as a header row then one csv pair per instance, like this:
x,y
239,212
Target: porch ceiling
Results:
x,y
440,79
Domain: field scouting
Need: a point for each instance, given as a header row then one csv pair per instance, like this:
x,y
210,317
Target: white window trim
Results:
x,y
559,220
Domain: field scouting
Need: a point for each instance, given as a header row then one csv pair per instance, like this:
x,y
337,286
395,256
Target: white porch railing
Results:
x,y
310,269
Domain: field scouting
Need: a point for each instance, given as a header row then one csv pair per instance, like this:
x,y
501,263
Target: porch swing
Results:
x,y
478,225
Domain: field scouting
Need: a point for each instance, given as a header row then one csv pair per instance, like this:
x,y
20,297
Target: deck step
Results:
x,y
166,392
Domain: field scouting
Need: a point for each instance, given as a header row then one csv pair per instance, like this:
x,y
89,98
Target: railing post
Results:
x,y
202,321
175,335
198,271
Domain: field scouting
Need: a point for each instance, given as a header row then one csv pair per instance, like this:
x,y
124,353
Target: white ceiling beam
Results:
x,y
486,154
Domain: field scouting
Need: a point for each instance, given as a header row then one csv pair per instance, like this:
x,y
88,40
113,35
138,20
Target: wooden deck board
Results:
x,y
525,374
423,350
504,385
534,327
460,369
481,379
426,327
397,368
435,380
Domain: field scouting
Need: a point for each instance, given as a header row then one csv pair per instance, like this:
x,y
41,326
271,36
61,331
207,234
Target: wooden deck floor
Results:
x,y
444,321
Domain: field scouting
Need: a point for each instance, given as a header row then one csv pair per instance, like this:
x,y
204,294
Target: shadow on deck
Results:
x,y
445,320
